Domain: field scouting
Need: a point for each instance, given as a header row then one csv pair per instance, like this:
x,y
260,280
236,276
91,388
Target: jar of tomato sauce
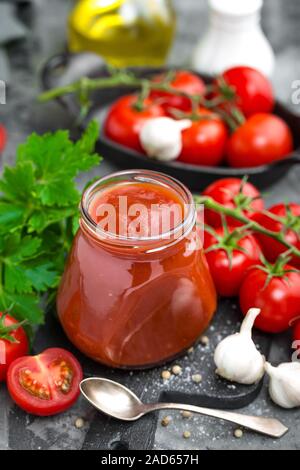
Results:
x,y
136,290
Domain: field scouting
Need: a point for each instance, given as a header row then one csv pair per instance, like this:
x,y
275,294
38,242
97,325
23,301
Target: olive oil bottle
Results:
x,y
124,32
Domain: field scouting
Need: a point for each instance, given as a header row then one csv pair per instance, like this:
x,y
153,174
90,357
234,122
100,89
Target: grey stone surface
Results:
x,y
22,115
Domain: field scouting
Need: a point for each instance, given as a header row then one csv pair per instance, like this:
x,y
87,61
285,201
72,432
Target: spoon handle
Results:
x,y
268,426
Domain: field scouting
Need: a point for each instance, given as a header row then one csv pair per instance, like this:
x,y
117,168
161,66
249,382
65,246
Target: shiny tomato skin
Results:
x,y
124,123
3,137
12,350
279,300
262,139
39,368
254,91
272,248
224,191
183,81
228,279
204,142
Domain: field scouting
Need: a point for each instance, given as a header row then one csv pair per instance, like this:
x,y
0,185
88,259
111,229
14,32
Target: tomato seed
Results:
x,y
33,386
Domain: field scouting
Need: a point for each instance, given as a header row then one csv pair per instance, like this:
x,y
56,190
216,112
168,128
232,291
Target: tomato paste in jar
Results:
x,y
136,290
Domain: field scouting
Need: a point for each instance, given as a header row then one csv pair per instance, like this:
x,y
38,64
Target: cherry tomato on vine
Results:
x,y
13,342
230,255
283,218
276,292
124,121
254,93
262,139
232,193
3,137
204,142
184,81
45,384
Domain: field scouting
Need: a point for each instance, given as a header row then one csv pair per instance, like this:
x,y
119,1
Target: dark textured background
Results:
x,y
22,115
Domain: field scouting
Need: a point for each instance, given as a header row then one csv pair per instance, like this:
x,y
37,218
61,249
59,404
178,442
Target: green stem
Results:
x,y
237,214
143,95
83,87
119,79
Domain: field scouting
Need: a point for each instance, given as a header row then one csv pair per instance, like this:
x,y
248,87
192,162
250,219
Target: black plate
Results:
x,y
66,68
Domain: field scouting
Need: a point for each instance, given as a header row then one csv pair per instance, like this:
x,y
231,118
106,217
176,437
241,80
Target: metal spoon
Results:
x,y
119,402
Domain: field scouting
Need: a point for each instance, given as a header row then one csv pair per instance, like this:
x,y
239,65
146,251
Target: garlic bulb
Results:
x,y
237,358
161,137
284,385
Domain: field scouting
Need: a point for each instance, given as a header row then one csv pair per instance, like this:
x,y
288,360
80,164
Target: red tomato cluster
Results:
x,y
251,265
43,385
232,193
183,81
281,218
263,139
205,139
259,139
254,92
124,122
230,259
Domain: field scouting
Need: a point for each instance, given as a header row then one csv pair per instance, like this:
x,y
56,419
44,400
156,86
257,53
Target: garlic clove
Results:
x,y
249,320
284,387
183,124
237,358
161,137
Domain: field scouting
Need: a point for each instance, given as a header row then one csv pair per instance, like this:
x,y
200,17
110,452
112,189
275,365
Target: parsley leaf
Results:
x,y
18,182
39,217
12,216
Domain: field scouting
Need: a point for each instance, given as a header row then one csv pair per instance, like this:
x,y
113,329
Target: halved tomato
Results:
x,y
46,384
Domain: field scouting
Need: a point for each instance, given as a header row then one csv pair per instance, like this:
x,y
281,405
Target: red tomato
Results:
x,y
184,81
46,384
232,193
13,343
264,138
227,276
278,299
3,138
254,91
204,142
124,122
289,225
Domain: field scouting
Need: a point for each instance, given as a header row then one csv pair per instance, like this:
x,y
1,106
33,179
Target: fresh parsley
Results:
x,y
39,216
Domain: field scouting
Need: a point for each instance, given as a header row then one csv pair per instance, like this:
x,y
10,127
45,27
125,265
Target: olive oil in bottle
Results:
x,y
124,32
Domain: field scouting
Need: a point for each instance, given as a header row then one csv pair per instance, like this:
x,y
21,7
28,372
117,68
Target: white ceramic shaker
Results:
x,y
234,37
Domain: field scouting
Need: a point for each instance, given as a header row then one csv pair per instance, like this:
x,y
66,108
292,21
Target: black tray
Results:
x,y
66,68
106,433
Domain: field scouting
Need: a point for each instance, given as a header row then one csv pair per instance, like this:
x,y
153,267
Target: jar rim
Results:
x,y
138,175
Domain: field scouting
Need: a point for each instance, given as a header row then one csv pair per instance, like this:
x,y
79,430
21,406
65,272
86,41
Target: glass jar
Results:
x,y
124,32
136,302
